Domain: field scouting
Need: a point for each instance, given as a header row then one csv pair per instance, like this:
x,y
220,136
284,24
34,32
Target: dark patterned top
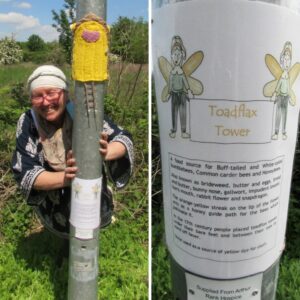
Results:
x,y
53,207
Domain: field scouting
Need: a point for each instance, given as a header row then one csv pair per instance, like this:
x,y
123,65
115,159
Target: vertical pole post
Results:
x,y
219,254
83,259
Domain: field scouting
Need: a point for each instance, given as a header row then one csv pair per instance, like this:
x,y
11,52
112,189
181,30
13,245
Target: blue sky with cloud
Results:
x,y
23,18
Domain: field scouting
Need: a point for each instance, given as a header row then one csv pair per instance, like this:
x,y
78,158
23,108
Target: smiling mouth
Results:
x,y
49,109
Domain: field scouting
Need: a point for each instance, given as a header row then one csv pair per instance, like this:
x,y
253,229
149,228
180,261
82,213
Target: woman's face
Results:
x,y
286,60
177,56
49,103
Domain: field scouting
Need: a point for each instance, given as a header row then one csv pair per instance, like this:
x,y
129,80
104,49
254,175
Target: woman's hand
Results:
x,y
71,169
112,150
103,145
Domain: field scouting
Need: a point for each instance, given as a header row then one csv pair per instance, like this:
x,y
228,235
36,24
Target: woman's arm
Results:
x,y
27,161
46,181
120,155
112,150
55,180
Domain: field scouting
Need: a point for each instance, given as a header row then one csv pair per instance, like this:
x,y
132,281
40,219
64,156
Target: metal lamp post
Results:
x,y
228,104
88,120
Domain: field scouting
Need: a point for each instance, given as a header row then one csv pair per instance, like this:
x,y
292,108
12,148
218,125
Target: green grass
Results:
x,y
289,279
28,271
127,258
28,253
15,73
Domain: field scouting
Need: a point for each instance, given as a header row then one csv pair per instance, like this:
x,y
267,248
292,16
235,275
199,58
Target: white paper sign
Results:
x,y
85,206
227,88
242,289
225,211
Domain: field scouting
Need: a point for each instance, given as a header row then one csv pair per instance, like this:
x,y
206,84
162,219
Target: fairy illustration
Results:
x,y
77,188
280,89
180,87
96,189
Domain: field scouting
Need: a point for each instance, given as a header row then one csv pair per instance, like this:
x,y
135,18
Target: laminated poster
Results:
x,y
85,207
227,88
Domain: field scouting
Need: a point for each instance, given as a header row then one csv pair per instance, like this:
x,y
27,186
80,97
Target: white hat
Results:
x,y
47,76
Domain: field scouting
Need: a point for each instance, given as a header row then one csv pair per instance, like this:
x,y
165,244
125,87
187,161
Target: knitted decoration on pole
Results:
x,y
90,49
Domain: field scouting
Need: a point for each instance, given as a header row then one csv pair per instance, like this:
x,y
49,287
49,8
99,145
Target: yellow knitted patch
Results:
x,y
90,52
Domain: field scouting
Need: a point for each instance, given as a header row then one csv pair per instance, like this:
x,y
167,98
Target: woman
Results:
x,y
43,163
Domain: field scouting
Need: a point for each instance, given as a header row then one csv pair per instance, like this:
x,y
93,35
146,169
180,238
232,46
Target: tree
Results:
x,y
35,43
63,20
10,51
130,40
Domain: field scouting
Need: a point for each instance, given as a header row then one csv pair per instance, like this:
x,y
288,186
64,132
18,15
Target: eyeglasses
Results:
x,y
50,96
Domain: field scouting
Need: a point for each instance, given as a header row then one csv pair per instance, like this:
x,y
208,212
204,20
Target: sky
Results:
x,y
24,18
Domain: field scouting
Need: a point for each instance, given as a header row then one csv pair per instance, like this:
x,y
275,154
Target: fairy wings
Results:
x,y
192,63
276,70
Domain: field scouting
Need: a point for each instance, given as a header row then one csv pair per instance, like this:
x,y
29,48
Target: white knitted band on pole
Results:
x,y
47,76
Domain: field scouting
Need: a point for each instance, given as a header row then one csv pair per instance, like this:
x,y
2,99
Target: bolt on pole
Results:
x,y
86,187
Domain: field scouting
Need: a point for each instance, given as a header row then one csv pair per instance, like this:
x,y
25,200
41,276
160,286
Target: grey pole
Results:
x,y
179,274
83,260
